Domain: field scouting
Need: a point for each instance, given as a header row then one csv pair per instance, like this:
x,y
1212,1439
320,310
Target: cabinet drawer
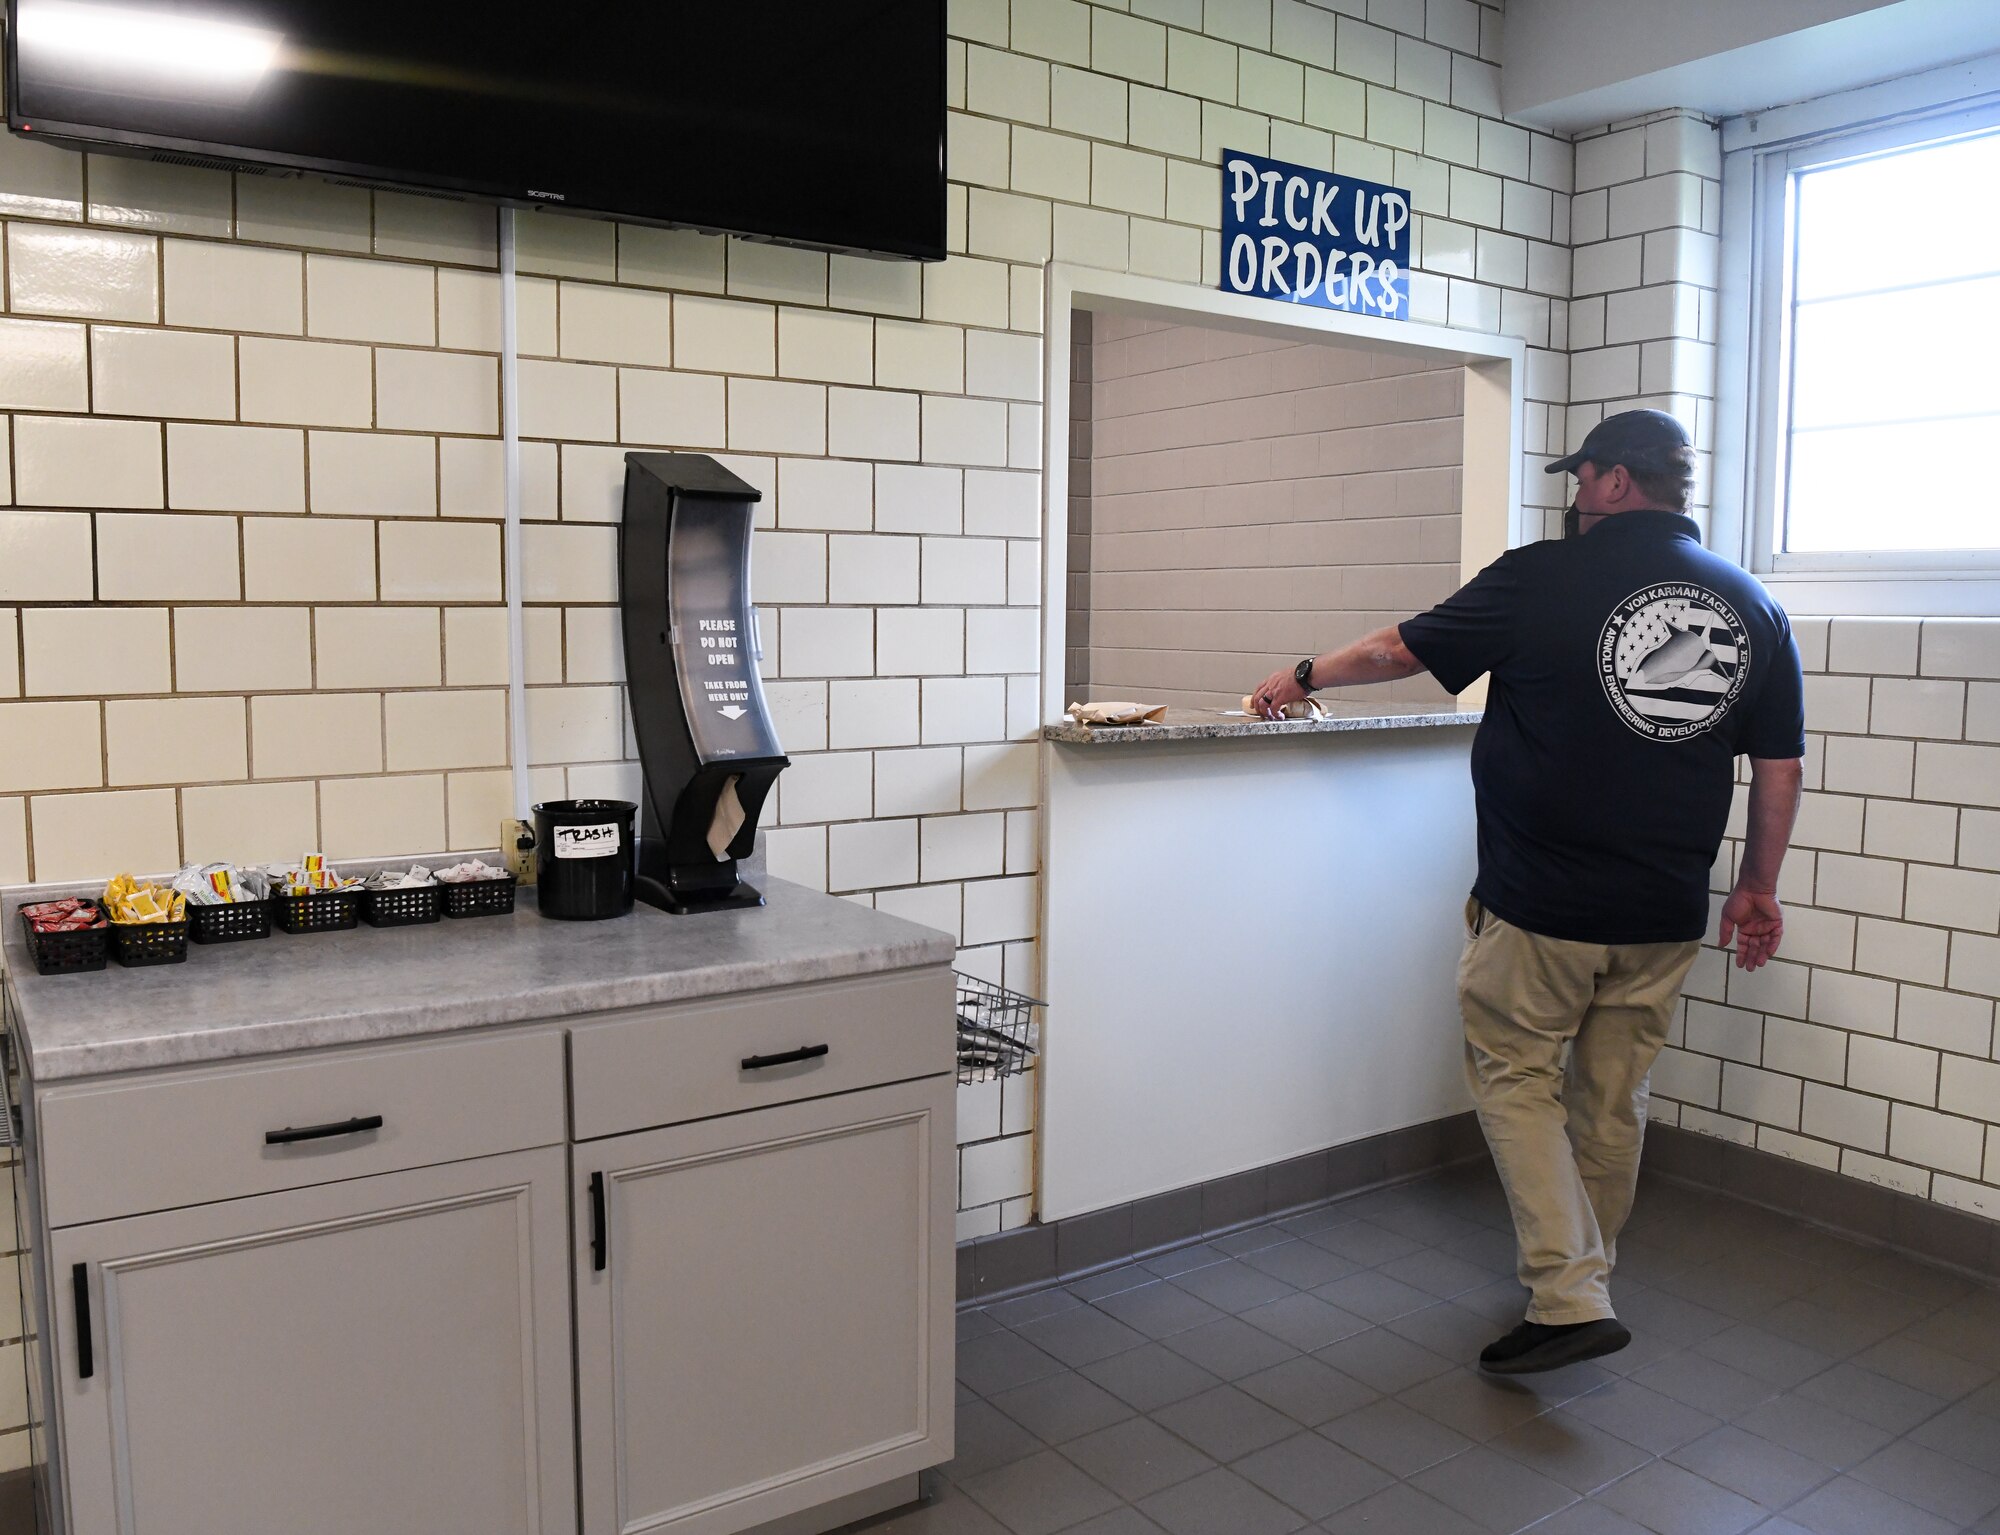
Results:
x,y
666,1065
187,1137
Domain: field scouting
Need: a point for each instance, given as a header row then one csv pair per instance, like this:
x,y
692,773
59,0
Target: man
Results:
x,y
1630,668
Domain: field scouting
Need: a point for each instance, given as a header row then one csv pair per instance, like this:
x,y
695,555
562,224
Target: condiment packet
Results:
x,y
416,877
68,915
472,869
309,876
221,884
126,900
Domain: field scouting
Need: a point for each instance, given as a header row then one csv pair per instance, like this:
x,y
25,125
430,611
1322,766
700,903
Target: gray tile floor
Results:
x,y
1315,1373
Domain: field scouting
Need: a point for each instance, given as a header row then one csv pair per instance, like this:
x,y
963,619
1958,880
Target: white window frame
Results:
x,y
1761,152
1493,514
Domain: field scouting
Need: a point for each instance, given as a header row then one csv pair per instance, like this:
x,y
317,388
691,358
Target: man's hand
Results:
x,y
1378,657
1274,692
1754,919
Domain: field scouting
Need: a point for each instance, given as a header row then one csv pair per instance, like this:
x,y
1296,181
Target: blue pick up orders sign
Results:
x,y
1309,237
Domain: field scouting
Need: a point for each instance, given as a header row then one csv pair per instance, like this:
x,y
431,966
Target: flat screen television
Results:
x,y
819,122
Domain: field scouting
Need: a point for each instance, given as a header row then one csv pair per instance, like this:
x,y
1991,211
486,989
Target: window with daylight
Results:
x,y
1876,396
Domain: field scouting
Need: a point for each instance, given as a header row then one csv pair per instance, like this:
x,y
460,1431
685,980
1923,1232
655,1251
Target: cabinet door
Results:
x,y
771,1324
388,1353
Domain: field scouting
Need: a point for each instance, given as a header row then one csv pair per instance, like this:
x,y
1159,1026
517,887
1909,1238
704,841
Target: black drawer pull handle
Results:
x,y
86,1357
790,1057
600,1238
355,1126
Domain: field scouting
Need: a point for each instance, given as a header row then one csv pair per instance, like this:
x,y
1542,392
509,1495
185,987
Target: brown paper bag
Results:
x,y
1118,714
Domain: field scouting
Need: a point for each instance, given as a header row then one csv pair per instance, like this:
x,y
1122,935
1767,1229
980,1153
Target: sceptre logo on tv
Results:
x,y
553,197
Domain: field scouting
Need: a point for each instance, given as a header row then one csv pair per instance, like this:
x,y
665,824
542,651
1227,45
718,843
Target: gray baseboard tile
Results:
x,y
1165,1220
17,1502
1030,1257
1867,1211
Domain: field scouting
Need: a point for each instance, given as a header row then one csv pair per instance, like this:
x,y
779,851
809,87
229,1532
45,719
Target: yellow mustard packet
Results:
x,y
126,900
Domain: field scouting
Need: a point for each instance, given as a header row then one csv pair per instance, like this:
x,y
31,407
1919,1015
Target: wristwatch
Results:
x,y
1302,674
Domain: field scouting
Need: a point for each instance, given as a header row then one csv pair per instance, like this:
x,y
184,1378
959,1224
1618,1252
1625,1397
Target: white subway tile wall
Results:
x,y
193,364
251,435
1642,228
1869,1046
1837,1054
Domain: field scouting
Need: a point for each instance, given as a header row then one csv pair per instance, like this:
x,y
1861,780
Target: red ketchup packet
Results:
x,y
68,915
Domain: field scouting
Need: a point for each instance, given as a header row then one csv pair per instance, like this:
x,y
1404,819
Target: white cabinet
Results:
x,y
764,1309
387,1353
370,1289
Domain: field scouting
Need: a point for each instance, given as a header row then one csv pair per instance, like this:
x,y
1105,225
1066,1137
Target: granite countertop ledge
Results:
x,y
1213,725
310,991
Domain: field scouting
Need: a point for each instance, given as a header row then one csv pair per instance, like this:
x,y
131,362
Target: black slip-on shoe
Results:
x,y
1535,1346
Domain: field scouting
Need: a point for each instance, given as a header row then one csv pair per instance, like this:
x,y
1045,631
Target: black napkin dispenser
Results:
x,y
707,748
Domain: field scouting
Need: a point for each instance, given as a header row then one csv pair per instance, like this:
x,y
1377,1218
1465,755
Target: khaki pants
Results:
x,y
1566,1142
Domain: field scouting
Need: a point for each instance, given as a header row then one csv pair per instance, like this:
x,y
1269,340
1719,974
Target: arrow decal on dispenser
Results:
x,y
733,712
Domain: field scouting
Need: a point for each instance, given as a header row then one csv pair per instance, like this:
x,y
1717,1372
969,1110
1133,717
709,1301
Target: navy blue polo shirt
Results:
x,y
1630,668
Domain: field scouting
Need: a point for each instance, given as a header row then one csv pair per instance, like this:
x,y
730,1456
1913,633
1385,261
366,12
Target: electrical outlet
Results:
x,y
517,842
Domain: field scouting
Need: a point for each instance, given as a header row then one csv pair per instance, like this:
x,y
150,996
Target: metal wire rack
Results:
x,y
997,1036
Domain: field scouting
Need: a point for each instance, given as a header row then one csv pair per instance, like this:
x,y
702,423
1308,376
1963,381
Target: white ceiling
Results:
x,y
1572,64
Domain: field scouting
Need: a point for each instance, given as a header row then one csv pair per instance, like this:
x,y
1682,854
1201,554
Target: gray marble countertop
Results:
x,y
1213,725
310,991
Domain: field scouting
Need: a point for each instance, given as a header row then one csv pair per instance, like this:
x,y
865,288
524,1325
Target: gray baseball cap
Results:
x,y
1632,437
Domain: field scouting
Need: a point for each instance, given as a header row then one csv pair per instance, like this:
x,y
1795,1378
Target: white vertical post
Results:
x,y
510,432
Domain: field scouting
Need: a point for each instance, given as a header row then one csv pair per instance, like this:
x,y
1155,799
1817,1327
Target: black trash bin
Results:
x,y
583,858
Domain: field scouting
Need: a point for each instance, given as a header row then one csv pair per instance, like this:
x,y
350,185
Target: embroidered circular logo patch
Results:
x,y
1673,658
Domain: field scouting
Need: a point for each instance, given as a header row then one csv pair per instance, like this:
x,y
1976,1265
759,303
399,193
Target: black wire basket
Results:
x,y
405,906
997,1036
68,953
229,921
149,943
322,911
477,897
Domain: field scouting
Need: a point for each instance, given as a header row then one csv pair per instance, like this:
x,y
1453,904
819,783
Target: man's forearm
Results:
x,y
1378,657
1774,807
